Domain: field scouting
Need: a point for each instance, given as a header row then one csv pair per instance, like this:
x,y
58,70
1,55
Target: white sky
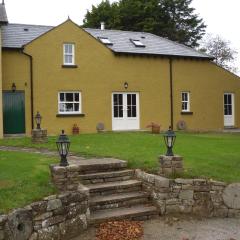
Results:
x,y
221,16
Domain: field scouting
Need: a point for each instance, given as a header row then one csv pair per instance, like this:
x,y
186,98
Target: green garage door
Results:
x,y
13,112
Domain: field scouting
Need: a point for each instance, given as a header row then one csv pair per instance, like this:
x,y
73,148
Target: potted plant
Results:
x,y
75,129
155,127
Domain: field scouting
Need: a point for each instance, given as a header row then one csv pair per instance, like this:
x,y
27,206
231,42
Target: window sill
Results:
x,y
71,115
69,66
187,113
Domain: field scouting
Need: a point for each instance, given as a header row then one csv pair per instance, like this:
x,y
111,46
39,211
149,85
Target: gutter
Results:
x,y
31,85
171,89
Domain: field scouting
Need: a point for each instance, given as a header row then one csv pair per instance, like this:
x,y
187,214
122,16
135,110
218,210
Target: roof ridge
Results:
x,y
35,25
116,30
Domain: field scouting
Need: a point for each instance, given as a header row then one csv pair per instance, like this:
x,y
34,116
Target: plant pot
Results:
x,y
75,130
155,129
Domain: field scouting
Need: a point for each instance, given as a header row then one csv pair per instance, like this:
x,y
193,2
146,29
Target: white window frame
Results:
x,y
185,101
105,40
137,43
69,54
79,102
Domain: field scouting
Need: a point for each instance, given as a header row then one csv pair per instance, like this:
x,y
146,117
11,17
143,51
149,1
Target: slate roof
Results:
x,y
154,45
17,35
3,14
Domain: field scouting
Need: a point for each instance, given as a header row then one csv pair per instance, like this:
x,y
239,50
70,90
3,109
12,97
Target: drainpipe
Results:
x,y
31,83
171,88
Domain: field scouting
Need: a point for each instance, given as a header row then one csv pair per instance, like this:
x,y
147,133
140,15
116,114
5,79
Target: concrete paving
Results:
x,y
185,229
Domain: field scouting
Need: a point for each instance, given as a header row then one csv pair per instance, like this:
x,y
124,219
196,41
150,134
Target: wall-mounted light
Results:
x,y
14,87
126,85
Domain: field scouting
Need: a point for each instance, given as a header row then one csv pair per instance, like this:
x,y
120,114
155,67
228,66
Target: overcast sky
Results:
x,y
221,16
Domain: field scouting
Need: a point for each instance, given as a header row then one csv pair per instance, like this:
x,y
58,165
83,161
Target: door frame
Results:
x,y
138,108
17,91
233,109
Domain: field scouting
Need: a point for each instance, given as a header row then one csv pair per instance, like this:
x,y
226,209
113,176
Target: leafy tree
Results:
x,y
221,50
104,12
174,19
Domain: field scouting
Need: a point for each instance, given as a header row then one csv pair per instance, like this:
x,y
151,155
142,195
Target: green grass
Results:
x,y
214,156
24,177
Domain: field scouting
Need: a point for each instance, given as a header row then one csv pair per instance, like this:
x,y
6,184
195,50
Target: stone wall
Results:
x,y
192,196
57,217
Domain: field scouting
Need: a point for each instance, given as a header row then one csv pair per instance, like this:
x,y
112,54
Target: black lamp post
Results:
x,y
38,120
169,138
63,145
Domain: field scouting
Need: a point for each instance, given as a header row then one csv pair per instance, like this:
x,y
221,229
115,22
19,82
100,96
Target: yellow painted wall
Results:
x,y
207,84
1,113
16,69
100,72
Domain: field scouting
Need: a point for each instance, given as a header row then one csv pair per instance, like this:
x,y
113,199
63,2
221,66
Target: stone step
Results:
x,y
98,165
139,212
118,200
114,187
102,177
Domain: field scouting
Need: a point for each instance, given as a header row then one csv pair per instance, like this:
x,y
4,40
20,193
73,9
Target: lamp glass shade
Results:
x,y
14,87
63,145
38,120
169,138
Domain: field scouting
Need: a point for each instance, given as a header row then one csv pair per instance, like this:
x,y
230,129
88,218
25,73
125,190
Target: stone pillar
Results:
x,y
39,136
170,165
67,178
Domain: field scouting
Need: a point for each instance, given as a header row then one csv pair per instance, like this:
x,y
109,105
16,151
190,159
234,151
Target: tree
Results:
x,y
173,19
221,50
104,12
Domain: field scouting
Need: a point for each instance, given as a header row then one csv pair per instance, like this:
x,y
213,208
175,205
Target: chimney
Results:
x,y
102,26
3,2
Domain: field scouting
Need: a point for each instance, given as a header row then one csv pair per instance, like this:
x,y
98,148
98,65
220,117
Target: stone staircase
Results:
x,y
114,193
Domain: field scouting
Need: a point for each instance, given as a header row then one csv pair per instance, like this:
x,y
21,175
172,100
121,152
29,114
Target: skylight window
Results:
x,y
105,40
137,43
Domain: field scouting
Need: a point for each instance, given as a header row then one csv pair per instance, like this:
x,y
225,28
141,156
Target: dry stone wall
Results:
x,y
57,217
192,196
170,165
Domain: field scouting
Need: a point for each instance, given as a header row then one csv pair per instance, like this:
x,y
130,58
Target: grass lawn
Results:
x,y
24,177
214,156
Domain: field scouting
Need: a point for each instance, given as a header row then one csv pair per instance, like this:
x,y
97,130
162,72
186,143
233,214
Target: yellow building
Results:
x,y
124,80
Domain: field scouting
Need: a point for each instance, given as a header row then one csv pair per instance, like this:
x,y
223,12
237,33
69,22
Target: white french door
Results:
x,y
125,111
229,114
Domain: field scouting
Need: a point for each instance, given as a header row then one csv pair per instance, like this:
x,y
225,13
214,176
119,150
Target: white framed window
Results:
x,y
105,41
69,103
68,53
185,101
137,43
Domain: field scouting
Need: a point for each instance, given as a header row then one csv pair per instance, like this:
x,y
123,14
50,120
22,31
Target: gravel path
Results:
x,y
42,151
187,229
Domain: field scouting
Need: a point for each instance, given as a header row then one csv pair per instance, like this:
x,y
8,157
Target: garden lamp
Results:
x,y
169,138
38,120
63,145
